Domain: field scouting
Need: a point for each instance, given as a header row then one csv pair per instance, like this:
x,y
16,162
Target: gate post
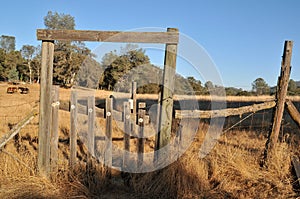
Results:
x,y
45,108
166,110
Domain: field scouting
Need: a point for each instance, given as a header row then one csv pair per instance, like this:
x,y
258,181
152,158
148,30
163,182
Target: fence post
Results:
x,y
127,133
133,108
166,110
91,122
54,134
281,94
141,140
45,108
73,128
108,136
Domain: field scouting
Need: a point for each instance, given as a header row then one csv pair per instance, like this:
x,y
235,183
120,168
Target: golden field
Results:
x,y
231,170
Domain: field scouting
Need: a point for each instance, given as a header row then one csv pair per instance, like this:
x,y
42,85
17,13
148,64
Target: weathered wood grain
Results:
x,y
294,113
166,110
183,114
108,36
45,108
281,94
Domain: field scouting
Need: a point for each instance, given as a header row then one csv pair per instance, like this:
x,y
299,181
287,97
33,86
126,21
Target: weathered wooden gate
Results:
x,y
170,38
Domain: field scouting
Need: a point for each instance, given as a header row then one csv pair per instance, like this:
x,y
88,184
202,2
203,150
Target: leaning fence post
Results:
x,y
55,127
73,128
281,94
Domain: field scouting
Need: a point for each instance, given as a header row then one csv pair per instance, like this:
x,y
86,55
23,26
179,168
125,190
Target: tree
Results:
x,y
28,53
13,74
260,87
195,84
292,87
68,56
8,43
59,21
117,66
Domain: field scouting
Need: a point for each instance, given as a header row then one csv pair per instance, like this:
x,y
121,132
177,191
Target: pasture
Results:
x,y
231,170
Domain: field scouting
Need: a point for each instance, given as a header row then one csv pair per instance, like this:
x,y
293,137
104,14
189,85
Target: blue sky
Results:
x,y
244,38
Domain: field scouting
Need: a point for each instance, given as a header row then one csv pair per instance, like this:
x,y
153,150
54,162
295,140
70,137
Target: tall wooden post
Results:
x,y
281,94
45,108
166,110
55,127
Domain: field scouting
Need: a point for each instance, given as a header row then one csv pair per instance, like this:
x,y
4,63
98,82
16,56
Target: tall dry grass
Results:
x,y
231,170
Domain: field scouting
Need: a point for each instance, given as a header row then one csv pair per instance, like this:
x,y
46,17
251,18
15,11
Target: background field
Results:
x,y
231,170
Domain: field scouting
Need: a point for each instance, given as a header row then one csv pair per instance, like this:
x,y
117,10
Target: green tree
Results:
x,y
260,87
8,43
117,66
13,74
59,21
28,53
292,87
195,84
68,56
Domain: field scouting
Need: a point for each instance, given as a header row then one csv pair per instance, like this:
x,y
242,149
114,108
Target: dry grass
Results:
x,y
231,170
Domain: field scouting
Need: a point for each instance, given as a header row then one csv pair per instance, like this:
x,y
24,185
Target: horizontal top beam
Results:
x,y
108,36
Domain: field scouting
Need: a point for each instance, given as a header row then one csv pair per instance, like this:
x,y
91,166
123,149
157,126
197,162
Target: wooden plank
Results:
x,y
294,113
184,114
108,135
166,110
157,124
281,94
134,109
91,125
16,129
45,108
65,105
108,36
141,139
73,128
127,132
55,128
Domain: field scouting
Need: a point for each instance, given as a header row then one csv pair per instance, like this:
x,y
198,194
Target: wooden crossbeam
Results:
x,y
108,36
294,113
181,114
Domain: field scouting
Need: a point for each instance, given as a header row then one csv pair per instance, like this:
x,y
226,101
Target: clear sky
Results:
x,y
243,37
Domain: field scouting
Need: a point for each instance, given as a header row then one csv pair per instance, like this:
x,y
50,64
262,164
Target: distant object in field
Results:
x,y
15,89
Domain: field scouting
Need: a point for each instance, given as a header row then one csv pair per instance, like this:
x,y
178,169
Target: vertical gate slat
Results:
x,y
91,123
73,128
55,127
141,139
127,133
108,135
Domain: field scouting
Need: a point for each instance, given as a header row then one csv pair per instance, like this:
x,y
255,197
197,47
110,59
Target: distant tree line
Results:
x,y
74,63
